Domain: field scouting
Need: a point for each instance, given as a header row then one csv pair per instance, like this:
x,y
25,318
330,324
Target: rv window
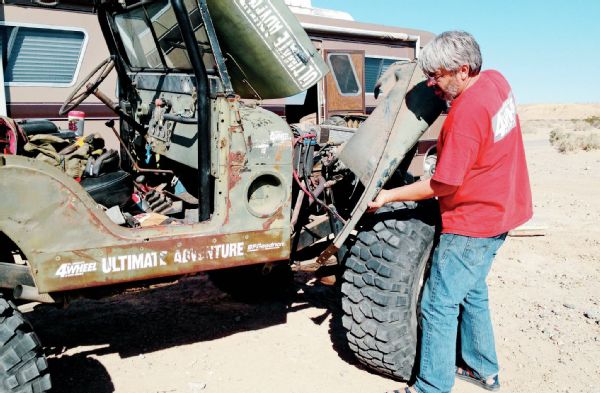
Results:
x,y
344,74
36,56
374,68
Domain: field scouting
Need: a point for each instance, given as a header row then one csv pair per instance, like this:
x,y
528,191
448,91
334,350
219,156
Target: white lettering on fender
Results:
x,y
186,255
133,262
75,269
107,264
226,250
279,137
264,246
154,259
505,119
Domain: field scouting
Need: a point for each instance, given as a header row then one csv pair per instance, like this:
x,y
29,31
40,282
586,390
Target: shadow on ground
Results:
x,y
131,324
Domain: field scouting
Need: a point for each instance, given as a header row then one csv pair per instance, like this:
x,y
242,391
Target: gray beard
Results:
x,y
452,92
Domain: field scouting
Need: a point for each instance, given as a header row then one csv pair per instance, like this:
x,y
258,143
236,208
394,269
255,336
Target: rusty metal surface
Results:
x,y
159,258
318,228
70,243
12,274
366,149
409,107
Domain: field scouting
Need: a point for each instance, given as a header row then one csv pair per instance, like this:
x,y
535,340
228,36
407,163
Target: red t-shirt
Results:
x,y
480,150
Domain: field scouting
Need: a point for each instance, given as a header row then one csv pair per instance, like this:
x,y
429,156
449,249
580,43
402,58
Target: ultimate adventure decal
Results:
x,y
139,262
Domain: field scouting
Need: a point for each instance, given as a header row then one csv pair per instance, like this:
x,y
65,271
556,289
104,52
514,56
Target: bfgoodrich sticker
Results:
x,y
264,246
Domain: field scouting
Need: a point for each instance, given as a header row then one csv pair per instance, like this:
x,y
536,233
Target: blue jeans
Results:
x,y
457,283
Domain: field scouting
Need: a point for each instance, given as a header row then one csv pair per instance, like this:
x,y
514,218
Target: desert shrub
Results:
x,y
556,135
566,142
587,124
591,142
593,121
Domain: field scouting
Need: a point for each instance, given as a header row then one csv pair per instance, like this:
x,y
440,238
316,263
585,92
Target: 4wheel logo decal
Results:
x,y
73,269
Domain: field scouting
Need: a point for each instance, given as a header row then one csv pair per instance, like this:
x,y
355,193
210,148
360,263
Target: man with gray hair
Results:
x,y
482,184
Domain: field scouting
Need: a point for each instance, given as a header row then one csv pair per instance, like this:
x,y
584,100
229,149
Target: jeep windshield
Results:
x,y
152,40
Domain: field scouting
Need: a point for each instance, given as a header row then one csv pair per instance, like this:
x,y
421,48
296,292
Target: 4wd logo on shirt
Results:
x,y
506,119
73,269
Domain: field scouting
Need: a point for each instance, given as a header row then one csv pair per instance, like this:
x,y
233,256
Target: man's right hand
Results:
x,y
380,200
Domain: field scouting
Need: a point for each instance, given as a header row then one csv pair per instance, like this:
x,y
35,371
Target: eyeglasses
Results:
x,y
434,77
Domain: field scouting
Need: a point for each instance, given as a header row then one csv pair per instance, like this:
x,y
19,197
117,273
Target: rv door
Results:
x,y
344,85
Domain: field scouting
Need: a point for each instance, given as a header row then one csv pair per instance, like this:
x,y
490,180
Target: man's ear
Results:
x,y
464,71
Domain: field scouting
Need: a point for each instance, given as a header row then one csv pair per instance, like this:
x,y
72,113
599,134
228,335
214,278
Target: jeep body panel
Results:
x,y
70,243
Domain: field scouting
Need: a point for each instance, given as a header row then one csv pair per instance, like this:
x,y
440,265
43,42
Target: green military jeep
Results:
x,y
205,182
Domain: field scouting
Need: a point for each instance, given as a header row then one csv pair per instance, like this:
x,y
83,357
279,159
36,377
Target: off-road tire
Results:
x,y
23,367
380,290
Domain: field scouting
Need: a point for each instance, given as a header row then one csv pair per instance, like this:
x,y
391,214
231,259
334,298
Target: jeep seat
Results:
x,y
110,189
38,126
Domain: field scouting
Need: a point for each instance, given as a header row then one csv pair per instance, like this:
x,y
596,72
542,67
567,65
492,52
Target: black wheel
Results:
x,y
23,367
382,280
255,283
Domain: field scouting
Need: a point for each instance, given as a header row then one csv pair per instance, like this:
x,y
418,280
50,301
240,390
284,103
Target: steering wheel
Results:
x,y
87,87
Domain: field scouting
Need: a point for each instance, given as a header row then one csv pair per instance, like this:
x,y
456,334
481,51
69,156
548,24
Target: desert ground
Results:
x,y
190,337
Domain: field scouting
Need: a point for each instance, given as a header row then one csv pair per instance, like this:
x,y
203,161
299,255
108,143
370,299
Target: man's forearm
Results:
x,y
420,190
412,192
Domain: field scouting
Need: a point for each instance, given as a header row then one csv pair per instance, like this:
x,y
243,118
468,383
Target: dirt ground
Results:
x,y
545,294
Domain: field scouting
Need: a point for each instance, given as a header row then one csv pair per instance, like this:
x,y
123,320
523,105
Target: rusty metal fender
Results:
x,y
70,243
408,108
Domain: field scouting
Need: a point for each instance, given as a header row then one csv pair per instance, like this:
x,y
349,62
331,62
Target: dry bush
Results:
x,y
587,124
593,121
555,136
591,142
566,142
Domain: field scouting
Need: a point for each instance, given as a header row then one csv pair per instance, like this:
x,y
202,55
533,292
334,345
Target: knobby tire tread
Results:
x,y
381,289
23,367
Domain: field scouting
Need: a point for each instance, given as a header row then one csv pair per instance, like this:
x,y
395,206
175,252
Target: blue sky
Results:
x,y
548,50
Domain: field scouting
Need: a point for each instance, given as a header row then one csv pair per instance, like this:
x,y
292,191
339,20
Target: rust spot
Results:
x,y
234,178
280,151
249,142
237,158
278,215
227,210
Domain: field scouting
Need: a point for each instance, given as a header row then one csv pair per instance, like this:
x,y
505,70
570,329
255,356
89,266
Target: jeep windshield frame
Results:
x,y
162,37
151,39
